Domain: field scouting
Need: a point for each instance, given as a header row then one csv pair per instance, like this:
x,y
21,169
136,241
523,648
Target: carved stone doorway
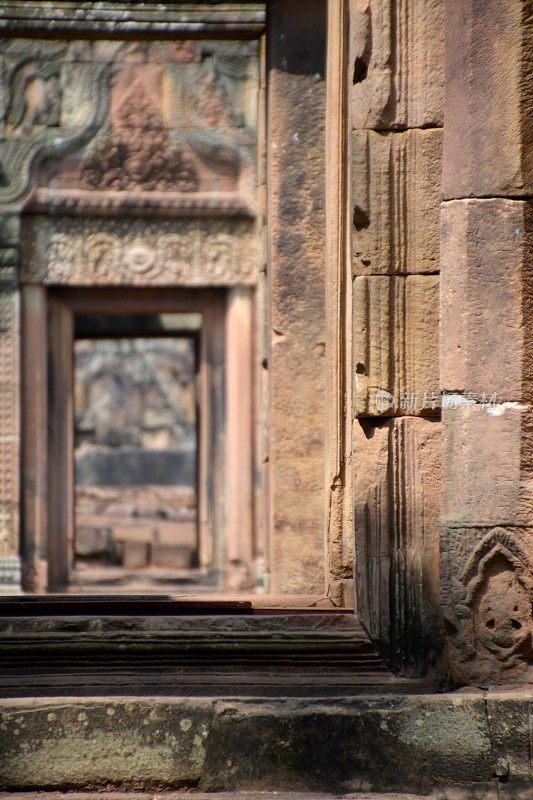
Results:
x,y
223,552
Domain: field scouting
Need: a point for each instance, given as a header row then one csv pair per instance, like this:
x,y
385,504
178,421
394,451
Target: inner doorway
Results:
x,y
136,430
138,426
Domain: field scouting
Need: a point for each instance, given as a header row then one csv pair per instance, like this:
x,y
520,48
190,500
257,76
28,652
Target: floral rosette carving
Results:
x,y
139,258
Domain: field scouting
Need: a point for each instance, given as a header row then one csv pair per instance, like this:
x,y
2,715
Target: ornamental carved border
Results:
x,y
74,251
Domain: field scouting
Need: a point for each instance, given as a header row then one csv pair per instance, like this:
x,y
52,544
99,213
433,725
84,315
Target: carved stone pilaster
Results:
x,y
9,389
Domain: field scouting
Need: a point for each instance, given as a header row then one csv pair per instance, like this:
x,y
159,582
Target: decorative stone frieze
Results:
x,y
92,251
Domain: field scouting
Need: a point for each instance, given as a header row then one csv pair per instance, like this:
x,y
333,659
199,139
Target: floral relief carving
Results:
x,y
100,250
138,156
75,251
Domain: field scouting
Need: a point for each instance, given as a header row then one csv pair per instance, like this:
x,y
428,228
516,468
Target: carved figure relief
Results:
x,y
502,613
138,156
494,605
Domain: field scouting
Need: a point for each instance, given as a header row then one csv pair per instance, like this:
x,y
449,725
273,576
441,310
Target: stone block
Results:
x,y
135,555
75,745
487,299
296,448
396,344
487,586
429,743
510,717
397,491
182,51
487,463
397,62
396,195
488,116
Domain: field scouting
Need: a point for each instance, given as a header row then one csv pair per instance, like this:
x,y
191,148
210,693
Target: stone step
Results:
x,y
205,796
464,744
210,655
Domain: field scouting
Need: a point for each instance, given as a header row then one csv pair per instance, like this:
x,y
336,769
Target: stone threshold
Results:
x,y
465,744
193,795
306,654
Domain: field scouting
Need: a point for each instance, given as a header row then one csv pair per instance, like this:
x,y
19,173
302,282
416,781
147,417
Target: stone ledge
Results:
x,y
222,796
218,796
470,743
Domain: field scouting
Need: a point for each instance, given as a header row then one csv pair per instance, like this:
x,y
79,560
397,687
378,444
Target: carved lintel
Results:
x,y
167,19
93,251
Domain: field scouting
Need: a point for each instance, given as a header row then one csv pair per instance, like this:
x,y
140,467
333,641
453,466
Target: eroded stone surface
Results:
x,y
396,345
422,743
488,126
396,194
297,285
486,308
397,502
487,581
397,63
487,464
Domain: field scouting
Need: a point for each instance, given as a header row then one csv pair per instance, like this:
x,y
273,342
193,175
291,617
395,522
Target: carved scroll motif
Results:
x,y
34,101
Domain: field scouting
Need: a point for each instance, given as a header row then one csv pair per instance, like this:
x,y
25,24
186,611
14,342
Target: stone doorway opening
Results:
x,y
143,457
136,414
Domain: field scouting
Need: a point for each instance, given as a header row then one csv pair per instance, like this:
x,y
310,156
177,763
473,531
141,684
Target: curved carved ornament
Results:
x,y
32,110
494,607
